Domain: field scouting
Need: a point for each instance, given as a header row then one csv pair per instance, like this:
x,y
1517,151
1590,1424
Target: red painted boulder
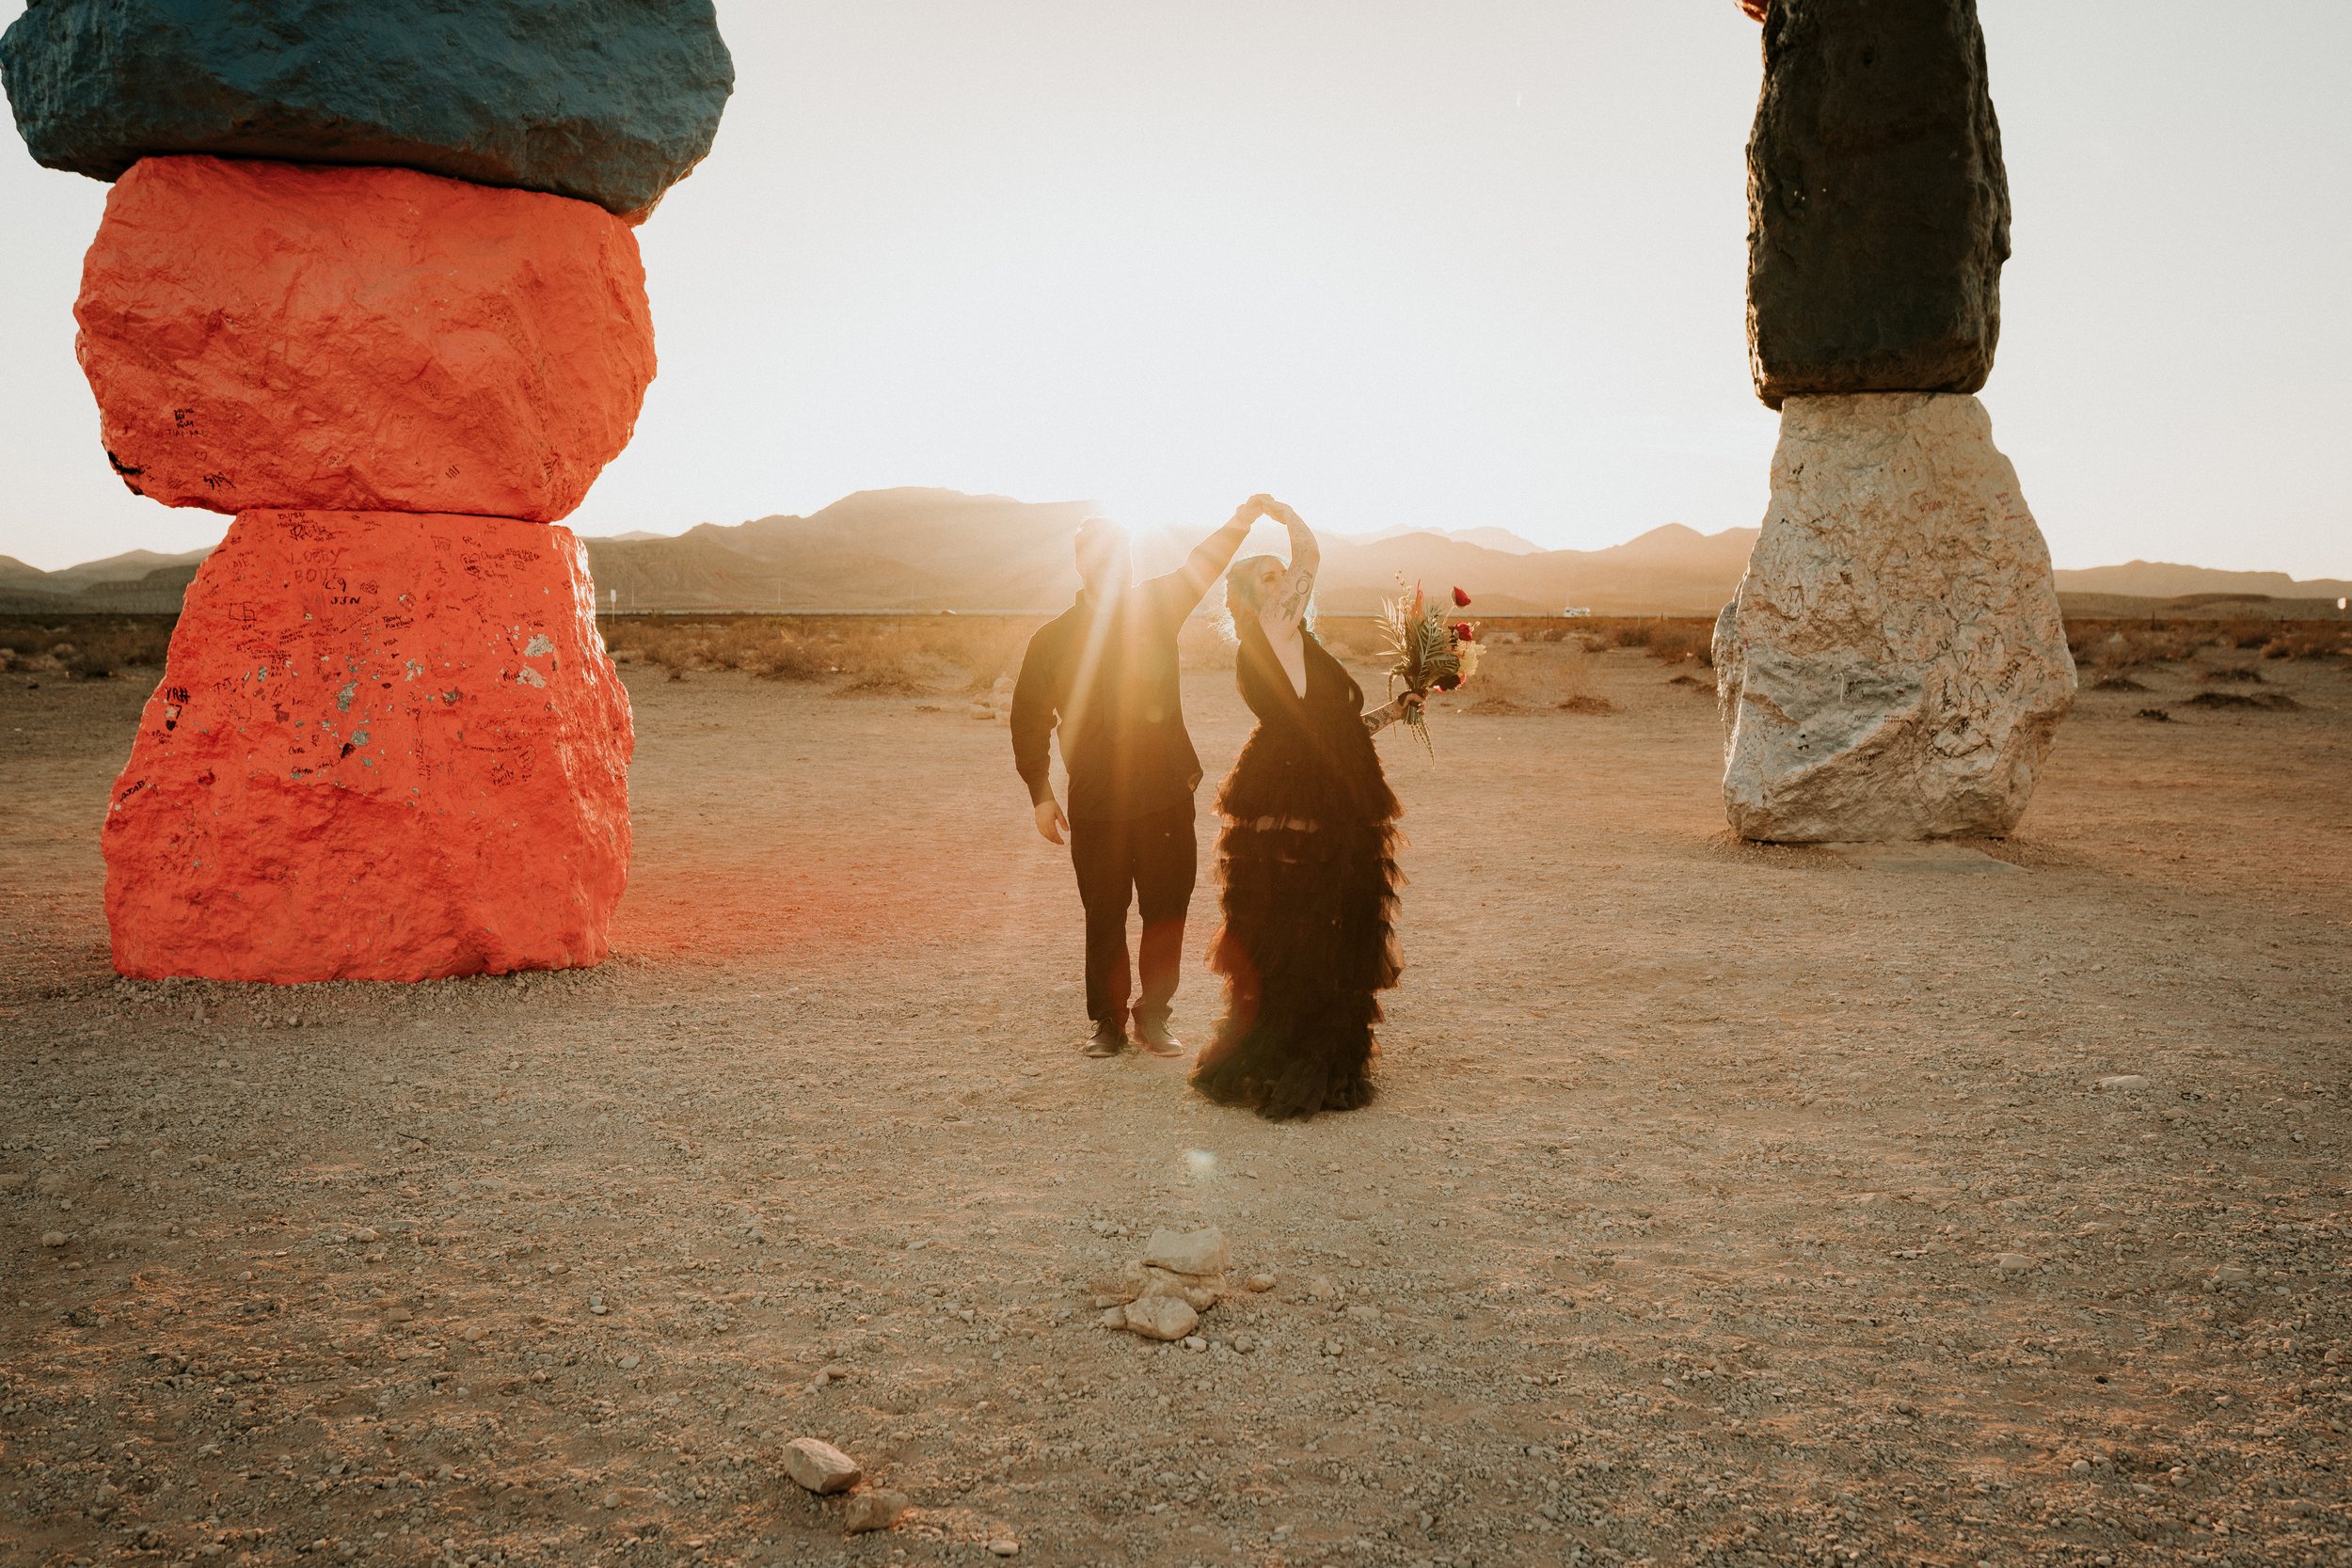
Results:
x,y
388,745
280,335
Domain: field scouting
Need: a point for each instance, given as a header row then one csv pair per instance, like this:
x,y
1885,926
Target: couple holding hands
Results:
x,y
1306,857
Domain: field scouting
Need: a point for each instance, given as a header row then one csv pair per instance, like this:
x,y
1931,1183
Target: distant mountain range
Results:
x,y
2161,579
915,549
135,582
1492,538
940,549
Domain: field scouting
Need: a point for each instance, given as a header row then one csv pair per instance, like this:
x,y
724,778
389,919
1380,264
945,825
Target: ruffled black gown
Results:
x,y
1307,862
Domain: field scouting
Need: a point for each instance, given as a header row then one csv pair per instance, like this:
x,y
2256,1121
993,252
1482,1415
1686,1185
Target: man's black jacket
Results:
x,y
1109,675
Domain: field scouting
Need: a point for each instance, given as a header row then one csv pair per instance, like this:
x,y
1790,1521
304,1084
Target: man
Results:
x,y
1105,670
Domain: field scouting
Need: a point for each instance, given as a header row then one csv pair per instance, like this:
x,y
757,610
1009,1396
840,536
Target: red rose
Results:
x,y
1464,632
1446,683
1461,600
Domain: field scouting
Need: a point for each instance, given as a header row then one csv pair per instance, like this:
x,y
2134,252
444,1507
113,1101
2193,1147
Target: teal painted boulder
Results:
x,y
608,100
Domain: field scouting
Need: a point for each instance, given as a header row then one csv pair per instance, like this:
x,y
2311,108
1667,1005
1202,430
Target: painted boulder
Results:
x,y
277,335
1878,205
608,100
388,745
1894,667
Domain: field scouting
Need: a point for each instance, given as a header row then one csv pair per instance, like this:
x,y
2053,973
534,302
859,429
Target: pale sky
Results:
x,y
1397,262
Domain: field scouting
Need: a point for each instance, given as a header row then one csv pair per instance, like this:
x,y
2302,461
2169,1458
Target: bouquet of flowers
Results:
x,y
1428,654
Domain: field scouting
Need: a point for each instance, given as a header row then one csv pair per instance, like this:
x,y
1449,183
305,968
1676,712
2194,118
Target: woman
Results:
x,y
1306,859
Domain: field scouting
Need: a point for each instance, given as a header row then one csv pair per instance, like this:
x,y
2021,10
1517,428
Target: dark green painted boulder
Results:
x,y
1878,207
609,101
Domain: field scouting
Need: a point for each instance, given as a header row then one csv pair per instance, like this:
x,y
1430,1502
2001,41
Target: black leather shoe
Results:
x,y
1152,1033
1109,1039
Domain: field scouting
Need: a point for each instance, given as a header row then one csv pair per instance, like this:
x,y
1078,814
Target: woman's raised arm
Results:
x,y
1291,597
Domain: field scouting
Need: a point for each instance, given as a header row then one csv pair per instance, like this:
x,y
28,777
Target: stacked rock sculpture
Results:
x,y
1894,666
1162,1294
367,280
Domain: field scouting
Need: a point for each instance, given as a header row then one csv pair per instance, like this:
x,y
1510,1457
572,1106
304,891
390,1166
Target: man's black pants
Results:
x,y
1154,858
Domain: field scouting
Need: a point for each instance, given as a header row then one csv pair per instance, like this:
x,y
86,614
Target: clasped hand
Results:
x,y
1263,505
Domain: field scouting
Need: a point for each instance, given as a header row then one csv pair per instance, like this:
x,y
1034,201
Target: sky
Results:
x,y
1477,263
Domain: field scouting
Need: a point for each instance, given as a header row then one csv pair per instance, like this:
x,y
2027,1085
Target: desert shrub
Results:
x,y
980,650
1207,642
29,640
1675,638
1358,640
2307,639
1682,642
1533,678
87,648
791,655
2105,647
2244,634
1670,640
868,655
886,680
2269,700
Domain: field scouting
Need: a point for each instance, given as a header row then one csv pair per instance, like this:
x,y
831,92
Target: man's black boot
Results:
x,y
1109,1039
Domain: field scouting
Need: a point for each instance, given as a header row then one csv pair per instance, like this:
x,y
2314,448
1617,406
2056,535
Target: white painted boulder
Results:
x,y
1893,667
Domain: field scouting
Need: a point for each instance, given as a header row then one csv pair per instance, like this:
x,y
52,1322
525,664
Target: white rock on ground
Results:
x,y
819,1466
1162,1317
1200,1291
878,1509
1893,667
1194,1252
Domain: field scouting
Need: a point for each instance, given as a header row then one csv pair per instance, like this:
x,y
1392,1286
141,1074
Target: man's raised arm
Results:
x,y
1210,558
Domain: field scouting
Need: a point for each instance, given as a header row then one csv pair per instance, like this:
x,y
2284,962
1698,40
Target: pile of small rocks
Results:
x,y
1162,1294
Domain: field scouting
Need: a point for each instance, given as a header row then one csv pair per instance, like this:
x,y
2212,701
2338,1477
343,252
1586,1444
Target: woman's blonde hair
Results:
x,y
1243,581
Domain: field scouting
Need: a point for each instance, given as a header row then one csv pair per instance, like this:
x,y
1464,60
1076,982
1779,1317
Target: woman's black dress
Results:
x,y
1307,862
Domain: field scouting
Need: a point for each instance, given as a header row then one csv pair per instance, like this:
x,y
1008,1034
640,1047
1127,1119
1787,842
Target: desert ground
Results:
x,y
1724,1205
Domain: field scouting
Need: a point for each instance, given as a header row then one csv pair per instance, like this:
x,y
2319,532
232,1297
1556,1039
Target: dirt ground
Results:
x,y
1724,1205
